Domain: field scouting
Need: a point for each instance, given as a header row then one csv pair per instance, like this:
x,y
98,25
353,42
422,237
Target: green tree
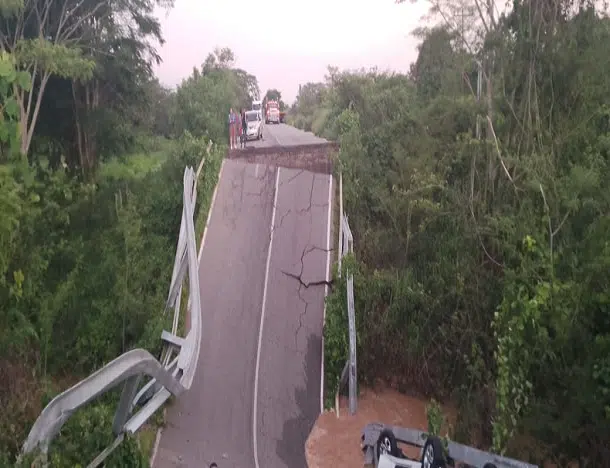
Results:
x,y
43,47
203,100
478,223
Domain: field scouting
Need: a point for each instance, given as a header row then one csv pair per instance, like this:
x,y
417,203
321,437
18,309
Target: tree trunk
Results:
x,y
86,100
29,116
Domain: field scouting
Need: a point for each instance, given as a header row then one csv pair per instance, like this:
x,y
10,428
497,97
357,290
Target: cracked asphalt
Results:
x,y
213,421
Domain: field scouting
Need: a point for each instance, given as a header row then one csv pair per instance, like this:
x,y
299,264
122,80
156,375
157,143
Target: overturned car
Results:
x,y
380,449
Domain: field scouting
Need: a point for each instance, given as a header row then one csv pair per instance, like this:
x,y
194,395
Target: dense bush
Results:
x,y
91,201
91,269
482,262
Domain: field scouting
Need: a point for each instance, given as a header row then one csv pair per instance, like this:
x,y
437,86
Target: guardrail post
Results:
x,y
340,223
346,245
130,388
351,316
342,382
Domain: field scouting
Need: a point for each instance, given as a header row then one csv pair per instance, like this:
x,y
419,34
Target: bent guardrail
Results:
x,y
171,375
346,245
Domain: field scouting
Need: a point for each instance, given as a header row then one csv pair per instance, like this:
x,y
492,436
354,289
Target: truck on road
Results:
x,y
272,112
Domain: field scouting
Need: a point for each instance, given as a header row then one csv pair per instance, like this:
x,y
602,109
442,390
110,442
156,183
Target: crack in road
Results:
x,y
305,285
298,237
300,211
233,208
301,315
299,276
264,190
299,172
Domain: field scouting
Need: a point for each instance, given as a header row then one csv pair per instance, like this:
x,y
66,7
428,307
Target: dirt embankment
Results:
x,y
335,442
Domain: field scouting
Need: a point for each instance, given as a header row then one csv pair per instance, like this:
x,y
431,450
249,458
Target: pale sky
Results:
x,y
285,43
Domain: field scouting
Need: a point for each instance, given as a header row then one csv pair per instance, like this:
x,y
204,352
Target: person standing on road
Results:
x,y
237,130
232,129
262,124
244,126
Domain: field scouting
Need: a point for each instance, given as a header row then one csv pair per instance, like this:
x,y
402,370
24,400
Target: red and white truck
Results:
x,y
272,112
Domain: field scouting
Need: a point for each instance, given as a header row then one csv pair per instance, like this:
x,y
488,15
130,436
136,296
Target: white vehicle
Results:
x,y
254,121
258,106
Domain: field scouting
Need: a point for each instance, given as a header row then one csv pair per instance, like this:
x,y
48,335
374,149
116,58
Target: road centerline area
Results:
x,y
291,342
262,322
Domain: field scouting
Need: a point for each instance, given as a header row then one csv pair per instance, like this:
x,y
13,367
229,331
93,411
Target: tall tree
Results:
x,y
44,36
122,46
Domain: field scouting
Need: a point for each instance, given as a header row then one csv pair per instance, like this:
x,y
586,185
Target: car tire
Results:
x,y
433,454
489,465
386,443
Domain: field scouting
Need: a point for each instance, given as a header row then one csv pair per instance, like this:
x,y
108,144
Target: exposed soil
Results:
x,y
335,442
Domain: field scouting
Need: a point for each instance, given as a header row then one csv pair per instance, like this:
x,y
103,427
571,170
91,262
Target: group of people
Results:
x,y
237,129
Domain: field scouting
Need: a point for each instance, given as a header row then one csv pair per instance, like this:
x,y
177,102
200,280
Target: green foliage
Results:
x,y
10,78
56,59
483,260
202,101
336,339
89,220
87,433
9,8
94,288
434,417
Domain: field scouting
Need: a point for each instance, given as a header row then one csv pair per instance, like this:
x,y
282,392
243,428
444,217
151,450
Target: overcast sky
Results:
x,y
286,42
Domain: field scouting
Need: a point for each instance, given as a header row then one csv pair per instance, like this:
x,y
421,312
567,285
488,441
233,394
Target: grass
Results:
x,y
147,435
146,439
137,165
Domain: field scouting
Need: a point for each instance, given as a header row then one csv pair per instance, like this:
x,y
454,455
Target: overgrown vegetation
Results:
x,y
481,223
92,155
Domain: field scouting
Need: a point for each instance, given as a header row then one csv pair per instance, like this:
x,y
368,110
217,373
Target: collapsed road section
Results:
x,y
311,157
264,272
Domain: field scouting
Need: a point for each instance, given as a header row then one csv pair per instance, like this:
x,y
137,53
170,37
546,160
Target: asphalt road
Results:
x,y
284,135
266,242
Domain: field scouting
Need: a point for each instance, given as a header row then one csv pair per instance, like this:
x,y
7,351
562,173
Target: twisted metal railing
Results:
x,y
171,375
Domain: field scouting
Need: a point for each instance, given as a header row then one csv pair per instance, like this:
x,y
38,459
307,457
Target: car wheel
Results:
x,y
432,454
489,465
386,443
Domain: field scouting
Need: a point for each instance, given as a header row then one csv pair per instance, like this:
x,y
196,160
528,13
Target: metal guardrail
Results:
x,y
346,245
171,375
